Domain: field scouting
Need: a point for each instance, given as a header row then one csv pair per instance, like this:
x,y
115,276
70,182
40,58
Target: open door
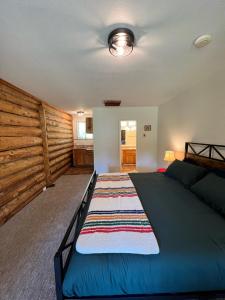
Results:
x,y
128,137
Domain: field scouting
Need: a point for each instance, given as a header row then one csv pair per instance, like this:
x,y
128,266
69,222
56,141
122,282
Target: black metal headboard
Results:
x,y
207,155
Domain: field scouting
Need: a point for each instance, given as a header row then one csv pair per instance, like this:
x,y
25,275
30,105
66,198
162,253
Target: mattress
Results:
x,y
191,239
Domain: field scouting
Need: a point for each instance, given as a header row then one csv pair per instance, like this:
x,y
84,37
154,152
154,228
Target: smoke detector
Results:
x,y
202,40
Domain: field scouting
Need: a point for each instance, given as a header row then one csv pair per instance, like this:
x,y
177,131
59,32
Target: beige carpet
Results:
x,y
30,239
79,170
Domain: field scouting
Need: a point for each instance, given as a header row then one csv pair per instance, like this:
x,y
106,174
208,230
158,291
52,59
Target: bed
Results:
x,y
191,237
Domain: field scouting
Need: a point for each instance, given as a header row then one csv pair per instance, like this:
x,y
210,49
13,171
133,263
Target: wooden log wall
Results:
x,y
36,142
59,140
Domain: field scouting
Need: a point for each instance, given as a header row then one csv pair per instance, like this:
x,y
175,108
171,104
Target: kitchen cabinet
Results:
x,y
129,156
89,158
89,125
83,157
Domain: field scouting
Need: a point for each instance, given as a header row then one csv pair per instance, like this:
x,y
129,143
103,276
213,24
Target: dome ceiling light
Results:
x,y
121,42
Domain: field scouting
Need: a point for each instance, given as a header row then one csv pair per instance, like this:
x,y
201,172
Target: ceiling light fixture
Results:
x,y
121,42
80,113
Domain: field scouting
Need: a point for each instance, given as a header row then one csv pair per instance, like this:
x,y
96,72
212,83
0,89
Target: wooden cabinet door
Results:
x,y
83,157
89,158
129,157
89,125
79,157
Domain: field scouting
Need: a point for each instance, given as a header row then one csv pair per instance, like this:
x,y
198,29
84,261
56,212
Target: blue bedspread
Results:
x,y
191,238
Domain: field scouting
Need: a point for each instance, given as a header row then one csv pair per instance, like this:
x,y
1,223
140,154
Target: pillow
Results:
x,y
211,189
218,172
185,173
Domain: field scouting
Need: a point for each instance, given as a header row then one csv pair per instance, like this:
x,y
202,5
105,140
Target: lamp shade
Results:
x,y
169,156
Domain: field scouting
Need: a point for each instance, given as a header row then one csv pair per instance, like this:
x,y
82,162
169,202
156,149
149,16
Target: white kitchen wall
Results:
x,y
107,137
197,115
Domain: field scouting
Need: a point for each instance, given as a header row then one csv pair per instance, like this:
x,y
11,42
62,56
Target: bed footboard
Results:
x,y
63,254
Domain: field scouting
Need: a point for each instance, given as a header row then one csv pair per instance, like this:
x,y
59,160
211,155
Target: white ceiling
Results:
x,y
57,50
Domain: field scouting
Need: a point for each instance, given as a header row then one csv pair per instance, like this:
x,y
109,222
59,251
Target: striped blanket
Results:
x,y
116,221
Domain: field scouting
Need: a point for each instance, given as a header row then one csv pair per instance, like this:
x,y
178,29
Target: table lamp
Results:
x,y
169,156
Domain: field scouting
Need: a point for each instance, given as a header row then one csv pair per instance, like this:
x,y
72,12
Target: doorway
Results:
x,y
128,141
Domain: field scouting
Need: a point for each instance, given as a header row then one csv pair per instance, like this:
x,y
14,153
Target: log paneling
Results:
x,y
60,140
60,152
7,143
52,142
58,124
10,181
22,187
18,100
11,155
18,109
58,129
59,135
12,119
57,147
19,131
19,165
36,142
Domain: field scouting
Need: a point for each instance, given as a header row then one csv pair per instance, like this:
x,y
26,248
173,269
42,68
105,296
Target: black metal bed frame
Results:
x,y
64,252
207,150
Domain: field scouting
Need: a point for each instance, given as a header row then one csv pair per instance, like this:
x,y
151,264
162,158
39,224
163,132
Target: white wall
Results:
x,y
197,115
107,137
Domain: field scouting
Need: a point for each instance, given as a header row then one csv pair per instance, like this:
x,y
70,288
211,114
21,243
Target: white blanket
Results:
x,y
116,221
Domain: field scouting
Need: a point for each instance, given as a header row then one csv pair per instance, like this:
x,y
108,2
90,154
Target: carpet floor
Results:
x,y
30,239
79,170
